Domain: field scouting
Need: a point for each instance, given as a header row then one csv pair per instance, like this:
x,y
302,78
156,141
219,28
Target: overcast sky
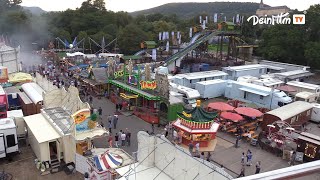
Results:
x,y
134,5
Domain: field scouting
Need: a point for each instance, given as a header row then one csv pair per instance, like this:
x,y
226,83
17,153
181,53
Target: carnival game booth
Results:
x,y
97,80
197,125
143,104
35,93
309,144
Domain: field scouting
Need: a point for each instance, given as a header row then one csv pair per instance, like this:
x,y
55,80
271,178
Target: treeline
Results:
x,y
298,44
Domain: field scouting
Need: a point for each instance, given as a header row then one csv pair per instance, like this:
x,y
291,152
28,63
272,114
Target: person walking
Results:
x,y
90,99
152,127
209,156
110,126
110,141
116,140
191,146
166,132
292,158
175,136
202,155
258,167
197,146
242,158
242,172
249,158
123,139
100,112
237,141
128,137
115,121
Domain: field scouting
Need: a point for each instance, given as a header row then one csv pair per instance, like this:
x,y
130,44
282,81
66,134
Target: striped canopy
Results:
x,y
107,161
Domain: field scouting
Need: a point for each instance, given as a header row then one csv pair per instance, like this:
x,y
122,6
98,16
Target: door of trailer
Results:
x,y
2,146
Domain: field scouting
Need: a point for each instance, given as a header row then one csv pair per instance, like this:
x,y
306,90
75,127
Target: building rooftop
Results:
x,y
214,81
303,85
203,74
269,81
245,67
60,118
293,73
290,110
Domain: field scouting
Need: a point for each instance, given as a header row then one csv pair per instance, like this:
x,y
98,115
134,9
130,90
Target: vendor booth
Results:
x,y
309,144
143,104
34,92
197,125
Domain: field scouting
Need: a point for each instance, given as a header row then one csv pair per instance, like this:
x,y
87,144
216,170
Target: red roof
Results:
x,y
231,116
220,106
247,111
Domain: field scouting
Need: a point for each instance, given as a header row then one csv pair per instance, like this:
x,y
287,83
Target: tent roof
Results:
x,y
41,128
19,77
197,114
100,75
133,57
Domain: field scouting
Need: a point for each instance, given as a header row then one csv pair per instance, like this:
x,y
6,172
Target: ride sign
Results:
x,y
148,85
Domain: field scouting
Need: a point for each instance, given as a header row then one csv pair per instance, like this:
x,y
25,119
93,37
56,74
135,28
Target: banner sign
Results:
x,y
148,85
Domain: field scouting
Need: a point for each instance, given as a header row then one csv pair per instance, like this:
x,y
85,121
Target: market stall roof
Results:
x,y
33,91
92,82
133,57
11,90
286,88
213,129
220,106
41,128
91,134
100,75
231,116
134,90
197,114
19,77
247,111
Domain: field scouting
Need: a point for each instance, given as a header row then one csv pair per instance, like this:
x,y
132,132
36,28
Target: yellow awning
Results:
x,y
123,95
20,77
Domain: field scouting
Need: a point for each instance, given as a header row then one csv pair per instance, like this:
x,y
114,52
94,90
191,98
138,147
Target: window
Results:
x,y
260,71
205,79
261,97
190,81
3,108
11,140
245,95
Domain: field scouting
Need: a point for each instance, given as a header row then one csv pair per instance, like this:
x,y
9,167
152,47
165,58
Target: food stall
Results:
x,y
197,125
309,144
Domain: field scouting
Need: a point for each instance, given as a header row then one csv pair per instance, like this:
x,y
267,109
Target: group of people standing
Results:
x,y
248,162
122,138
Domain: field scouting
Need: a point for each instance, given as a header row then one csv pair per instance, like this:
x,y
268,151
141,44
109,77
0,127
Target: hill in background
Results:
x,y
189,10
34,10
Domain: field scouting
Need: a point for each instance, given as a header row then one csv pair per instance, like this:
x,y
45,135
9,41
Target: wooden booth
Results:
x,y
309,144
197,125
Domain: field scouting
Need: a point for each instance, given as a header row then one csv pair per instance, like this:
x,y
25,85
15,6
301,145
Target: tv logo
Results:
x,y
299,19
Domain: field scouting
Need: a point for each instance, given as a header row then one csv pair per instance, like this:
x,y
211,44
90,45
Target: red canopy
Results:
x,y
247,111
231,116
221,106
286,88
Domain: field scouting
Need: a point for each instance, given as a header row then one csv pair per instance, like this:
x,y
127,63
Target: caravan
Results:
x,y
261,96
189,95
302,86
8,137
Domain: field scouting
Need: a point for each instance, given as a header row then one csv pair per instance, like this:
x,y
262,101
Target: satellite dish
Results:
x,y
71,45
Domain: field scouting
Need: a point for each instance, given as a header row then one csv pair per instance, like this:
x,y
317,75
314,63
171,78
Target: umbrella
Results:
x,y
231,116
286,88
221,106
247,111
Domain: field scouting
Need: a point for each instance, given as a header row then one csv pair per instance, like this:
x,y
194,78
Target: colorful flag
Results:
x,y
167,46
215,18
242,19
160,36
190,33
206,19
238,18
200,19
164,36
225,19
154,54
233,19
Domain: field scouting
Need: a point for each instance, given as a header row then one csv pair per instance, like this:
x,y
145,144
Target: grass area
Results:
x,y
213,47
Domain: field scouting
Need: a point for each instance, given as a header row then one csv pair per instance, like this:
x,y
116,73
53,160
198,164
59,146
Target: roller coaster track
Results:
x,y
191,47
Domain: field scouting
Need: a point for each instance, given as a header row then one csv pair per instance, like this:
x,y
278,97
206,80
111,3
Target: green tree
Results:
x,y
312,54
130,38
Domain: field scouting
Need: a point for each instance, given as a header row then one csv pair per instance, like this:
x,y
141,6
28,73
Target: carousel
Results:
x,y
197,126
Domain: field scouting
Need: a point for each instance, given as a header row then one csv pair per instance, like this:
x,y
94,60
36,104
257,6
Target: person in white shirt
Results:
x,y
197,148
123,139
175,135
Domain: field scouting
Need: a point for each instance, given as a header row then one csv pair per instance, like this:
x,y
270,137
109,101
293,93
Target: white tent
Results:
x,y
33,91
75,54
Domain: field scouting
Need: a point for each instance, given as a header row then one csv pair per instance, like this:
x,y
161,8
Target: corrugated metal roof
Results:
x,y
100,75
291,110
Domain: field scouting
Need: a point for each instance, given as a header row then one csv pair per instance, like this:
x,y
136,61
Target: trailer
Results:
x,y
315,115
3,103
190,79
8,137
189,95
268,82
211,89
261,96
17,116
302,86
235,72
13,97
